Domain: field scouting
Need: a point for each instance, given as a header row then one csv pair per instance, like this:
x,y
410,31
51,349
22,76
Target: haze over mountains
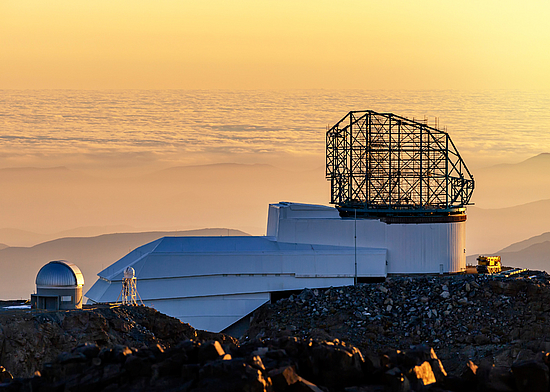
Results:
x,y
17,237
91,254
514,221
188,197
41,205
511,201
507,185
490,230
533,253
512,204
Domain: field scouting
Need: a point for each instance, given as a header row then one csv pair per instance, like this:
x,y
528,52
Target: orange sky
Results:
x,y
211,44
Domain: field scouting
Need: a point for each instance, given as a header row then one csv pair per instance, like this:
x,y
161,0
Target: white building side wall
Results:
x,y
213,313
333,231
411,248
425,248
273,220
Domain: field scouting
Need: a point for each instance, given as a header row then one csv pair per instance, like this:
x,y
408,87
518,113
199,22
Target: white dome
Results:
x,y
59,274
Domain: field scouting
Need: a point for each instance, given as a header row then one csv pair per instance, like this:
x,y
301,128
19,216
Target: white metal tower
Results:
x,y
129,293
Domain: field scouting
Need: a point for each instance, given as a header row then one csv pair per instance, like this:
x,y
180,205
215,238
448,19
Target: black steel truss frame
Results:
x,y
384,162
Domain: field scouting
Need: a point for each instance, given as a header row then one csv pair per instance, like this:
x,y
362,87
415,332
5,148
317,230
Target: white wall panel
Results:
x,y
426,248
412,248
213,313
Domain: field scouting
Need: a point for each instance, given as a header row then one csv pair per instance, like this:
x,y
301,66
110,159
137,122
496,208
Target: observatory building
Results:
x,y
58,287
400,189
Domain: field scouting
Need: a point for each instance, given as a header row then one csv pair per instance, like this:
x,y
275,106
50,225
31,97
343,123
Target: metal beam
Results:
x,y
387,162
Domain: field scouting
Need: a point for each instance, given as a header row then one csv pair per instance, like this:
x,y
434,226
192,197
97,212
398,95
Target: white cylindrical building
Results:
x,y
58,287
411,248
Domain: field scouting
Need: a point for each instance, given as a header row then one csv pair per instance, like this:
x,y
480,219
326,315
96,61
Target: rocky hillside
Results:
x,y
30,338
464,317
271,365
431,333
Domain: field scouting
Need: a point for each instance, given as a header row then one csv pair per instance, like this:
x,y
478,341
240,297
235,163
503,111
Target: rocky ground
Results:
x,y
30,338
272,365
464,317
430,333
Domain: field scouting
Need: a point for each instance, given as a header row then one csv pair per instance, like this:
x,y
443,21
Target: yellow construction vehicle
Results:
x,y
488,265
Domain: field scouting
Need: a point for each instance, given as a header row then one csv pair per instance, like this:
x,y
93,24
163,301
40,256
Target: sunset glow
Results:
x,y
216,44
135,116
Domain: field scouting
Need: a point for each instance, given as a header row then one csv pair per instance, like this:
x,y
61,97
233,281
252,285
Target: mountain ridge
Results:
x,y
90,254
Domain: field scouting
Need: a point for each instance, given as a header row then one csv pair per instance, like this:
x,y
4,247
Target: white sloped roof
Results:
x,y
216,265
171,257
190,277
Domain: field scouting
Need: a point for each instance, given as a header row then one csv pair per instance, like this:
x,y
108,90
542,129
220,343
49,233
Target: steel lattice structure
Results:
x,y
380,162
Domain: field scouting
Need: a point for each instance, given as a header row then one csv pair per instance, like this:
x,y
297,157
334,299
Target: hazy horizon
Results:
x,y
134,98
426,44
139,130
119,148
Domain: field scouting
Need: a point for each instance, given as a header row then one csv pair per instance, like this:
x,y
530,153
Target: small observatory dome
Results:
x,y
59,274
58,287
129,273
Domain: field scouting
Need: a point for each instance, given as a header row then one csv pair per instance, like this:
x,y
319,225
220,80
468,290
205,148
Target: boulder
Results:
x,y
531,376
5,376
331,365
210,351
283,378
396,380
421,375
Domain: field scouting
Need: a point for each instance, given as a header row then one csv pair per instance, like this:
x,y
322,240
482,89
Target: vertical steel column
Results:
x,y
355,243
447,172
389,163
421,172
368,176
349,161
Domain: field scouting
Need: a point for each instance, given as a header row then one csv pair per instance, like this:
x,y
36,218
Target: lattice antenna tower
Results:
x,y
384,164
129,294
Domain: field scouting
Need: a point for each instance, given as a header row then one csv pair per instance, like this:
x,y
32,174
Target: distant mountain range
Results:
x,y
508,185
512,204
20,265
219,195
533,253
519,246
489,230
17,237
512,201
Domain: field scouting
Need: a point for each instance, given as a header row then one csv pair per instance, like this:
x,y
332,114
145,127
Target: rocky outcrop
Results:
x,y
490,334
464,317
30,338
280,365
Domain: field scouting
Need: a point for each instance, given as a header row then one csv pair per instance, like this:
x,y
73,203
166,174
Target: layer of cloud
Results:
x,y
111,129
